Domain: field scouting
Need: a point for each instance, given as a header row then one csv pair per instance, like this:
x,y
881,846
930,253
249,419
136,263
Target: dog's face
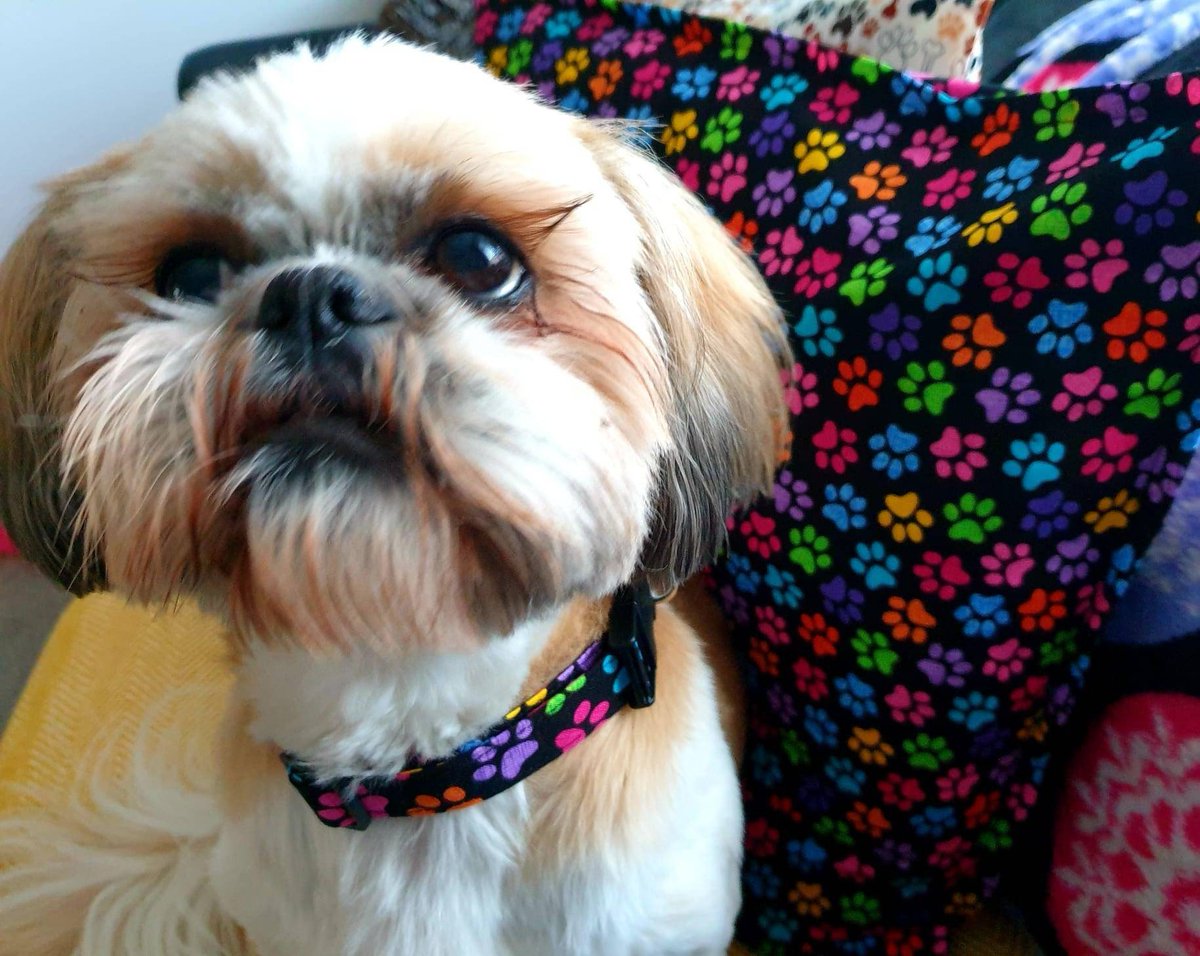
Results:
x,y
376,348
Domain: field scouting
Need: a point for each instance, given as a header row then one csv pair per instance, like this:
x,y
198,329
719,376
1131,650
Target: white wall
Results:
x,y
79,76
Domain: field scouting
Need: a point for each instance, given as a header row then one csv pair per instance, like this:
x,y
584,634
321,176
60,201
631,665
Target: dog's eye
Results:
x,y
481,262
193,273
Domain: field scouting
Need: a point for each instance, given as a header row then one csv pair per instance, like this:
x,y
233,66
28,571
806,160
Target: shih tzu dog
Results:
x,y
424,388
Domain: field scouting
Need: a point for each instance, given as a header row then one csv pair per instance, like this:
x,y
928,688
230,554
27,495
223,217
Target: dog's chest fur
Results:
x,y
628,845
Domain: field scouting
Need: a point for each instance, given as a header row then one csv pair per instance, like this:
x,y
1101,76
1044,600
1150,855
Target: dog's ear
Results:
x,y
726,348
36,283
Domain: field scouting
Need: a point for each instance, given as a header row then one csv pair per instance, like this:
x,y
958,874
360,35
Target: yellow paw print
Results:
x,y
904,515
572,63
990,226
1112,512
682,128
808,899
498,60
817,150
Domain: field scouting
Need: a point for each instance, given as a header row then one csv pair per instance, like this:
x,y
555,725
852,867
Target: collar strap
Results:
x,y
614,671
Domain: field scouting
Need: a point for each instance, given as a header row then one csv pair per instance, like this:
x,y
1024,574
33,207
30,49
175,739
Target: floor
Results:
x,y
29,606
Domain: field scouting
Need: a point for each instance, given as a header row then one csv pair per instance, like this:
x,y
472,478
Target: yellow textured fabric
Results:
x,y
105,667
107,664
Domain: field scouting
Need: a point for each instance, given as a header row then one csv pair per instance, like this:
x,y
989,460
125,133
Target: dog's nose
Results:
x,y
318,306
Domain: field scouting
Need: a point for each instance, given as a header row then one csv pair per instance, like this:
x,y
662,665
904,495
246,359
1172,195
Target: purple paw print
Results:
x,y
1009,397
1073,559
1049,514
945,666
513,747
791,496
1176,272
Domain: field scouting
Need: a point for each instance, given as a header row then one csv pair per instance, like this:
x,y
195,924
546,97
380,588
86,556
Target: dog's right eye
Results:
x,y
191,273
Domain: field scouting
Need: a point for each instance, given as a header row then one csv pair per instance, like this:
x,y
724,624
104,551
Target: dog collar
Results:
x,y
614,671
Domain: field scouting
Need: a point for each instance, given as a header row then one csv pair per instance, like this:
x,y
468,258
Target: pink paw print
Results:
x,y
941,576
835,447
1074,161
800,389
1109,455
1016,279
586,715
1006,660
1098,266
817,273
1084,393
334,810
1191,341
950,187
958,455
1007,565
759,531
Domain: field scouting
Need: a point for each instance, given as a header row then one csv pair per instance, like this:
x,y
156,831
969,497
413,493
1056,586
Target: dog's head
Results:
x,y
376,347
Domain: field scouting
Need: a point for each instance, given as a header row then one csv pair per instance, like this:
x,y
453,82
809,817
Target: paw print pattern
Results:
x,y
978,288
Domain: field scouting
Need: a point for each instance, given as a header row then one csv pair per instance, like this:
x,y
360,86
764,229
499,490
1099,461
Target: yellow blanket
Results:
x,y
107,664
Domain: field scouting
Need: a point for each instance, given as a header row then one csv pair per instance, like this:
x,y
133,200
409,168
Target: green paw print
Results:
x,y
927,753
810,549
867,280
996,836
735,42
795,749
875,652
859,908
722,130
972,518
1057,116
925,387
869,71
1061,210
519,55
838,830
1150,397
1062,647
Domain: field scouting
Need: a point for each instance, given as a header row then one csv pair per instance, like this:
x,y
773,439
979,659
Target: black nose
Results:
x,y
318,306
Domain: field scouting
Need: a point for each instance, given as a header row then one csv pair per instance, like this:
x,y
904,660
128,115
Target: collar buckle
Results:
x,y
631,640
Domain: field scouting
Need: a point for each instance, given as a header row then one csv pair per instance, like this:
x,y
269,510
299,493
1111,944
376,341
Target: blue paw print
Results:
x,y
760,879
845,507
782,90
1140,149
1189,424
894,452
932,233
958,109
1061,328
563,24
821,205
745,578
1035,461
806,855
934,821
574,102
783,587
974,711
848,778
914,95
856,696
820,727
1120,569
877,567
765,767
818,332
1016,177
509,25
982,615
938,280
694,84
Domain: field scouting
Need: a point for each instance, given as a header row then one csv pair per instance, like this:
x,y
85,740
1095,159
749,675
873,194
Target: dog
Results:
x,y
428,391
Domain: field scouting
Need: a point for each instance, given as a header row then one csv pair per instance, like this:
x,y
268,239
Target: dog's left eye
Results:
x,y
192,273
481,262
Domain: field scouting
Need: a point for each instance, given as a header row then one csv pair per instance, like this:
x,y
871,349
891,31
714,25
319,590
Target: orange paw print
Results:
x,y
998,129
878,181
1043,609
608,75
973,340
452,798
858,383
821,635
743,230
1112,512
909,620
